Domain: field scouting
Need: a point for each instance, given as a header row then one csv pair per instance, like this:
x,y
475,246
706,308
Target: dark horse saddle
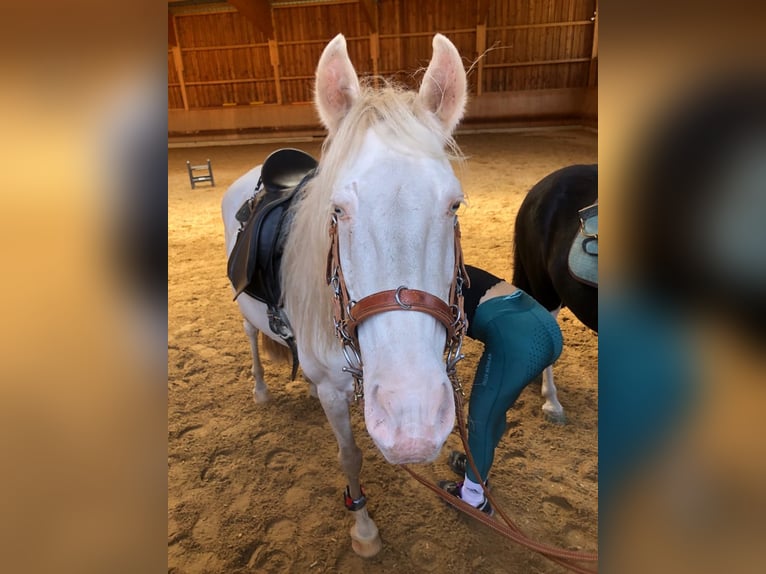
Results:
x,y
255,261
583,255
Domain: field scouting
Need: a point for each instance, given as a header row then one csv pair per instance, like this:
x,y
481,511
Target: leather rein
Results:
x,y
348,314
505,527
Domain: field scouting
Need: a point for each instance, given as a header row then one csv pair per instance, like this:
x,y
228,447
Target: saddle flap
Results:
x,y
255,247
583,254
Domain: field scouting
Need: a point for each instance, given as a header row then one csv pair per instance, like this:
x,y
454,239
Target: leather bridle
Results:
x,y
348,314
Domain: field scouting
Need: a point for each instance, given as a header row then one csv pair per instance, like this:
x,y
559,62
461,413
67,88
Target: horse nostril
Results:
x,y
373,395
443,411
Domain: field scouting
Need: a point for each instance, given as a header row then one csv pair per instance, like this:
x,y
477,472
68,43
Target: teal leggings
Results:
x,y
520,339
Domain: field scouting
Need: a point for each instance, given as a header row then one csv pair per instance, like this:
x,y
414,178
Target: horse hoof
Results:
x,y
555,418
366,547
261,397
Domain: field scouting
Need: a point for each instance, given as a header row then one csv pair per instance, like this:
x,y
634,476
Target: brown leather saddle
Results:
x,y
254,263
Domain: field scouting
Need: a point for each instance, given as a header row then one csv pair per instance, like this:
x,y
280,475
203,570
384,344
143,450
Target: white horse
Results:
x,y
384,202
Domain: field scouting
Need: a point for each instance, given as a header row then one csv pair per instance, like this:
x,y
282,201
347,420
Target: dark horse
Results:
x,y
546,225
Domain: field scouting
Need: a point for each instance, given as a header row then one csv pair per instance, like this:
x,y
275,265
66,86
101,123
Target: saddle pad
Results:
x,y
583,254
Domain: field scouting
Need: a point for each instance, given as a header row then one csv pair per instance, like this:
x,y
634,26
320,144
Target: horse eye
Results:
x,y
455,206
338,211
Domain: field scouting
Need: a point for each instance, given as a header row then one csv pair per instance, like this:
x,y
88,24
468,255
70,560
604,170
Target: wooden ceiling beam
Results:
x,y
258,12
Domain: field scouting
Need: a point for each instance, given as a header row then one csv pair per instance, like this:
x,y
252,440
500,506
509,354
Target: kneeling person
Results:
x,y
520,339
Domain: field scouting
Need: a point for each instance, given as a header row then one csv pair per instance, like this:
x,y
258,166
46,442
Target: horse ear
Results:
x,y
443,90
337,86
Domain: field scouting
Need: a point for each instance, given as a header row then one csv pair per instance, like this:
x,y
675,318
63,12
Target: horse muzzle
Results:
x,y
409,427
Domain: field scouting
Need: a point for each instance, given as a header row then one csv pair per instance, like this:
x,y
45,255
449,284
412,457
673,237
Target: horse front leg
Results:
x,y
260,390
552,408
365,539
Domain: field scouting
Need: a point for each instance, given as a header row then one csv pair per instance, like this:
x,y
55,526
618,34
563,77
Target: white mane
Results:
x,y
399,119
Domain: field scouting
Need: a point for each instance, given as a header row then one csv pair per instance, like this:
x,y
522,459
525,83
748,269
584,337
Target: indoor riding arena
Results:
x,y
257,487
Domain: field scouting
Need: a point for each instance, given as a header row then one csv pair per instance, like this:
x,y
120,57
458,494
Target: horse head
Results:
x,y
393,198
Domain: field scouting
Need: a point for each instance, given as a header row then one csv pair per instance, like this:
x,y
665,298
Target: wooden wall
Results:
x,y
245,70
